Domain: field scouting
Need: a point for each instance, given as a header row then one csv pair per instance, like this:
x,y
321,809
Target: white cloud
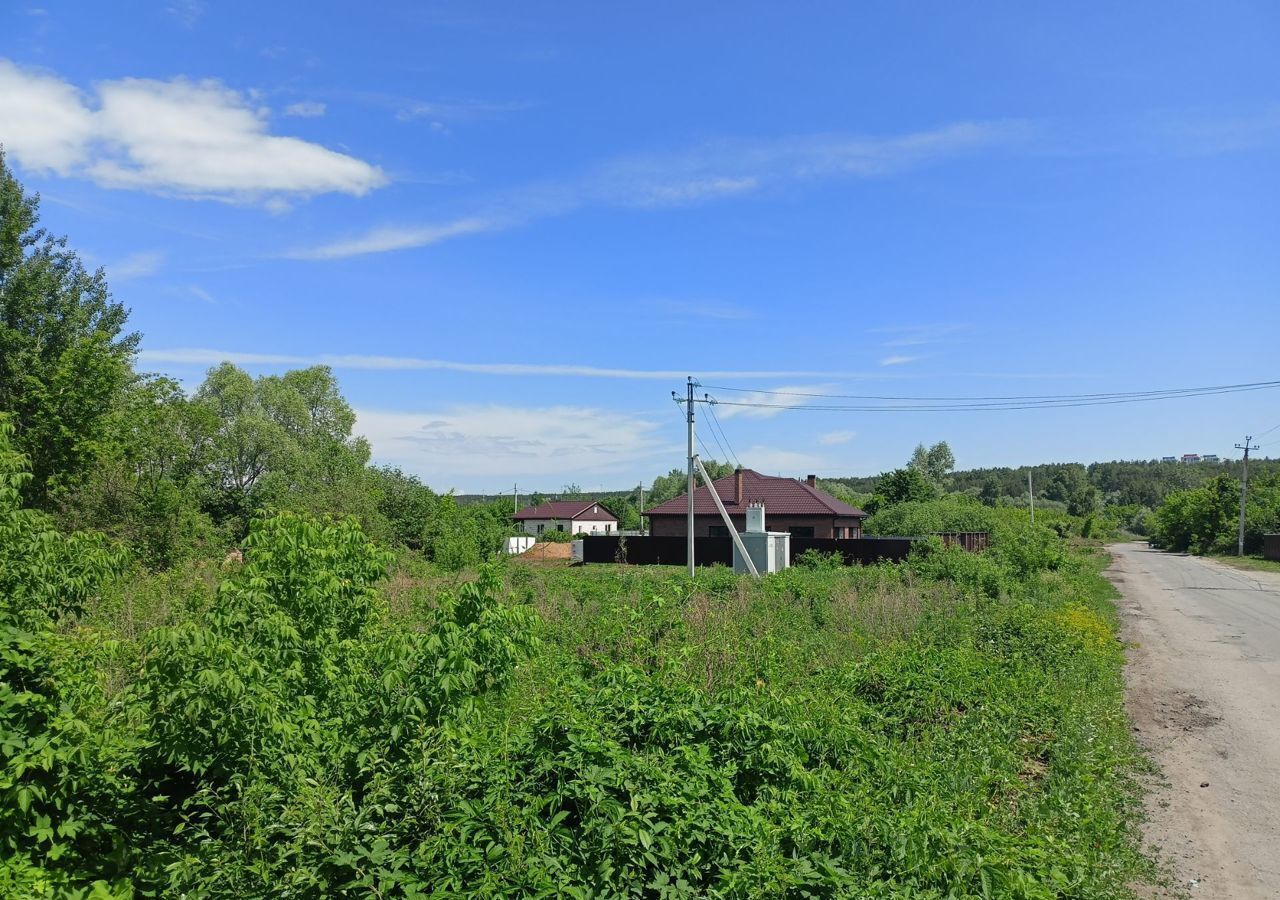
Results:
x,y
307,109
187,12
178,137
135,265
43,123
898,360
768,403
920,335
831,438
200,356
494,445
777,461
708,172
383,240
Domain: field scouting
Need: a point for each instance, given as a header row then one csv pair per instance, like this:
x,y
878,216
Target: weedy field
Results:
x,y
326,720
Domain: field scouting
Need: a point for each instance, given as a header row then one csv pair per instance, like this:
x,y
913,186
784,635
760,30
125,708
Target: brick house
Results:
x,y
789,504
574,516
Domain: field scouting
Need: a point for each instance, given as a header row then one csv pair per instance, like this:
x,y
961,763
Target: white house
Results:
x,y
573,516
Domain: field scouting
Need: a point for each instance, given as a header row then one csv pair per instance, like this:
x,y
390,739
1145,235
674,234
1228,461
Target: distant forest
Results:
x,y
1120,483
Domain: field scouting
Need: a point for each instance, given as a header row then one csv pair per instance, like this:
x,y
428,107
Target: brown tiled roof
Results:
x,y
780,496
576,510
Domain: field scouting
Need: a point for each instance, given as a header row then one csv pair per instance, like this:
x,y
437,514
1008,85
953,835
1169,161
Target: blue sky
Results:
x,y
513,230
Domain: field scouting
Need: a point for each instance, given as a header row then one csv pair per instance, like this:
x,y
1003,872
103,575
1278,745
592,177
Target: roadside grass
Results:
x,y
1252,563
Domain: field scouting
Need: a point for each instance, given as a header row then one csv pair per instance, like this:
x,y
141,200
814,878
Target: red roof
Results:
x,y
577,510
780,496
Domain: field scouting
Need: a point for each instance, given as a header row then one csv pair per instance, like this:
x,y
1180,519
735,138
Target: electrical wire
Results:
x,y
990,405
1023,399
705,450
1268,431
711,408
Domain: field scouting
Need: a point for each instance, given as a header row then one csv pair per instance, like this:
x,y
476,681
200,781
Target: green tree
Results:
x,y
148,487
282,441
64,356
673,484
901,486
935,463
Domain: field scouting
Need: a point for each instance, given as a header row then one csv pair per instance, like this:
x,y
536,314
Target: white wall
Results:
x,y
531,526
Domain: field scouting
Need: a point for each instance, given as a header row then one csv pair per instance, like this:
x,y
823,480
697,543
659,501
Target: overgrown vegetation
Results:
x,y
358,701
1206,519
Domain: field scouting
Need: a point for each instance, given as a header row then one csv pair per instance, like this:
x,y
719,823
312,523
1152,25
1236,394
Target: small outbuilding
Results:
x,y
572,516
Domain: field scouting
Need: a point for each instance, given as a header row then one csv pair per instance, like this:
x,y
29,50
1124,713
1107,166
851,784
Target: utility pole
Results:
x,y
515,499
1244,489
689,412
642,509
1032,494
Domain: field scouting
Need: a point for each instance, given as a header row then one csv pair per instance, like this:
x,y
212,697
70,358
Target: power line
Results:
x,y
985,405
698,437
711,408
1269,430
1016,398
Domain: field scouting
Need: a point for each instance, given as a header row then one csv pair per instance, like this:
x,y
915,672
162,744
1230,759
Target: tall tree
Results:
x,y
934,463
64,354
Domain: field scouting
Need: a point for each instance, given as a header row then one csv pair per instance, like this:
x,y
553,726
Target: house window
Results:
x,y
540,527
559,526
801,531
717,531
608,527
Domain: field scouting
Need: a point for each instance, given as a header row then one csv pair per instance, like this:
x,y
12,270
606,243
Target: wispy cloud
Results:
x,y
307,109
771,401
720,312
920,335
194,139
899,360
136,265
384,240
489,446
447,110
710,171
780,461
832,438
186,12
209,357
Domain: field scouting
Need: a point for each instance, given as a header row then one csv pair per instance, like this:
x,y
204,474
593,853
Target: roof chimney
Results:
x,y
811,480
737,486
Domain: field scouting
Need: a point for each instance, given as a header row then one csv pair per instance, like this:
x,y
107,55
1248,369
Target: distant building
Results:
x,y
794,506
1210,457
574,516
1169,459
1190,457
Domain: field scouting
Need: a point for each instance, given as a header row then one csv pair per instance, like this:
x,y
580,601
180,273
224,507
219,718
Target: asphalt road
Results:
x,y
1204,695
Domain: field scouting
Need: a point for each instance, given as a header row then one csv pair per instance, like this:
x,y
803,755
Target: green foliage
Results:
x,y
459,536
901,486
59,784
915,517
675,482
1206,519
148,486
63,355
934,463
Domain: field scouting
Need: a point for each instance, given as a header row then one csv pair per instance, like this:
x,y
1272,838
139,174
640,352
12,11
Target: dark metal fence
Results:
x,y
969,541
709,551
1271,546
856,551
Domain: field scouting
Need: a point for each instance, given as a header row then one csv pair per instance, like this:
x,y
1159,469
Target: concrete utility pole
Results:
x,y
688,408
1244,489
515,499
642,509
